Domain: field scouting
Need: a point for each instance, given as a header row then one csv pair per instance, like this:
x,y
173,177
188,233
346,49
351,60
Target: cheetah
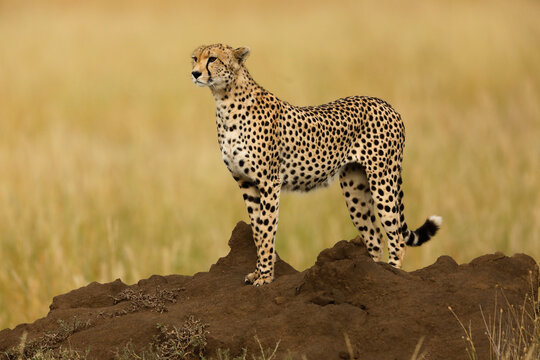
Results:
x,y
270,146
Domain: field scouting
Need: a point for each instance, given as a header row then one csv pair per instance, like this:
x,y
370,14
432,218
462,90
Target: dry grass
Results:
x,y
138,299
109,165
172,343
47,346
513,333
189,342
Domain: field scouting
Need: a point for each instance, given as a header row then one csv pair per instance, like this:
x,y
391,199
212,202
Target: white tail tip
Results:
x,y
437,220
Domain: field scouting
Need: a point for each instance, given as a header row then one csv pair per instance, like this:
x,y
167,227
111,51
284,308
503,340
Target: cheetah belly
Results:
x,y
306,175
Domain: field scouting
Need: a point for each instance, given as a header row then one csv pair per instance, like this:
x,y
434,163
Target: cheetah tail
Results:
x,y
424,232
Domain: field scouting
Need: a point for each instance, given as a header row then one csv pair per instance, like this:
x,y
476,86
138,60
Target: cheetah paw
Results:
x,y
261,281
256,280
251,278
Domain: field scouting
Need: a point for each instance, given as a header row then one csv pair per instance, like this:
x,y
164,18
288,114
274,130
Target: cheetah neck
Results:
x,y
243,86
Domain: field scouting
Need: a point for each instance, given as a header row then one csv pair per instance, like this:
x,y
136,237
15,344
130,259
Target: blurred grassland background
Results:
x,y
109,163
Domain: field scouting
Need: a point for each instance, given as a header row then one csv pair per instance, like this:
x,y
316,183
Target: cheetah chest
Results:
x,y
234,150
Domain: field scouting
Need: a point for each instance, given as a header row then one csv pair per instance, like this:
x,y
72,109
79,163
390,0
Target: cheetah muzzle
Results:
x,y
269,145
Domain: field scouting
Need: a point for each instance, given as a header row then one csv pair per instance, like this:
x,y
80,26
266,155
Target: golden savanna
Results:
x,y
109,162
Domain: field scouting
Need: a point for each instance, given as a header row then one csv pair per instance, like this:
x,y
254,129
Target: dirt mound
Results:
x,y
382,311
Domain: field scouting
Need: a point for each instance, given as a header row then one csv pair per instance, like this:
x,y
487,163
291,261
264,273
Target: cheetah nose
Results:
x,y
196,74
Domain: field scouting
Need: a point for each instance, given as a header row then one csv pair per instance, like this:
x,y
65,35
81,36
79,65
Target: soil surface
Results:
x,y
382,311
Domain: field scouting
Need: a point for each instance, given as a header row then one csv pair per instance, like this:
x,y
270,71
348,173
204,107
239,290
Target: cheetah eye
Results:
x,y
194,58
212,59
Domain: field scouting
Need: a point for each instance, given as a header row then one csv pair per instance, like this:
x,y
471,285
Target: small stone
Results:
x,y
280,300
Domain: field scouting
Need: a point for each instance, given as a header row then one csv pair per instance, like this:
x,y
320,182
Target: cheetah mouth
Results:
x,y
199,83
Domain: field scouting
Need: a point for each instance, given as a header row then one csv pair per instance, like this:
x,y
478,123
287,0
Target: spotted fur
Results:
x,y
269,145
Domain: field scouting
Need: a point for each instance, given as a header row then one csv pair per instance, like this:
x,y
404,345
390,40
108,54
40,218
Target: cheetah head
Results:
x,y
217,65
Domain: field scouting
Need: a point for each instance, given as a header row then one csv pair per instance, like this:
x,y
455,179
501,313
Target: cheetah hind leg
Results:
x,y
388,209
355,187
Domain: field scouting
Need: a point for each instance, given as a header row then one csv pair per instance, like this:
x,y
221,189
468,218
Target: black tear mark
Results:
x,y
209,73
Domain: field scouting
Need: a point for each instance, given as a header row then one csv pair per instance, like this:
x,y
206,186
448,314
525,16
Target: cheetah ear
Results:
x,y
241,54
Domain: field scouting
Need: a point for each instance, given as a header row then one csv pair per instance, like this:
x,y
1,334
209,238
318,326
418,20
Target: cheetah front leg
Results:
x,y
252,199
264,232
